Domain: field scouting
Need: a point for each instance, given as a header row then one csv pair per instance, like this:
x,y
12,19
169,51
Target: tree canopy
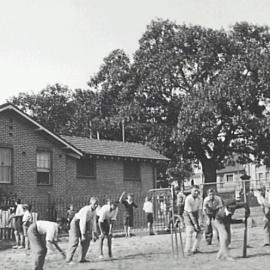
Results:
x,y
195,94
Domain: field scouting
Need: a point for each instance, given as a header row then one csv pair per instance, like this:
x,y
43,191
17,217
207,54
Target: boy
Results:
x,y
211,205
18,232
193,221
180,203
27,221
82,230
70,214
39,244
149,211
265,205
128,217
107,216
222,223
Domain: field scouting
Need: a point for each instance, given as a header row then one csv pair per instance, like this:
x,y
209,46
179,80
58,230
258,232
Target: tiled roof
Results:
x,y
113,148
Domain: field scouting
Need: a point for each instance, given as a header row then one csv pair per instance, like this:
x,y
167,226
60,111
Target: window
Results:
x,y
260,176
132,171
86,167
229,177
43,168
5,165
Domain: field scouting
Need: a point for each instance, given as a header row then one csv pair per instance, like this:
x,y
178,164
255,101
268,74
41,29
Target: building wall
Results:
x,y
24,141
21,136
109,179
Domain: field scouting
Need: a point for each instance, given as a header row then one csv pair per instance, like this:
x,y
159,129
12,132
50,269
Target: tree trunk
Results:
x,y
209,168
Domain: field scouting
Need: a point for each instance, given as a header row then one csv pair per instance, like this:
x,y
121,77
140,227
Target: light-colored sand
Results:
x,y
152,253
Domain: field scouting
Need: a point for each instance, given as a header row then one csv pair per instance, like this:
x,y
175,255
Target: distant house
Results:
x,y
35,162
228,178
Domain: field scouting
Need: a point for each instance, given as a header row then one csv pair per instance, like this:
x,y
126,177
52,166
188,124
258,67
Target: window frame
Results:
x,y
138,169
94,168
229,175
11,165
42,150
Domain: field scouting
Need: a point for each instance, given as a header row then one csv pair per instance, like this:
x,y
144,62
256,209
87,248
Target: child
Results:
x,y
43,234
11,219
149,211
27,220
128,217
106,217
18,225
70,214
222,223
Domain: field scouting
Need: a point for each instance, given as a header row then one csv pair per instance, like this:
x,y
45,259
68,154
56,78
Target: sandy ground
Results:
x,y
153,253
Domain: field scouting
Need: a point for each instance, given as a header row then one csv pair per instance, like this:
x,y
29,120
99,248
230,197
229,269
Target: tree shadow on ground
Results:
x,y
5,244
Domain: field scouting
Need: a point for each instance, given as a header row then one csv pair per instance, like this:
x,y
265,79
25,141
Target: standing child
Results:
x,y
193,221
70,214
180,203
149,211
27,221
106,217
222,223
128,217
211,204
18,225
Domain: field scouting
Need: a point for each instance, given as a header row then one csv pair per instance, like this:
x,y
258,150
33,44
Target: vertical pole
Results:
x,y
171,230
123,130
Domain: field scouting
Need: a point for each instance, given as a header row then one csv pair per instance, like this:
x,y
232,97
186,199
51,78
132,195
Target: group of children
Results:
x,y
94,222
20,219
218,216
90,223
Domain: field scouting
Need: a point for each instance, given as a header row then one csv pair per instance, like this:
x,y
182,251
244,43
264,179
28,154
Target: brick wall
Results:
x,y
109,179
24,140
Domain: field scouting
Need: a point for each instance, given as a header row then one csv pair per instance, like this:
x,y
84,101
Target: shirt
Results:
x,y
180,199
129,207
27,217
210,205
48,228
86,214
148,207
193,204
105,213
19,210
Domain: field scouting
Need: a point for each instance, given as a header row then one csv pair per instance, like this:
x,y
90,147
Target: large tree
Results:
x,y
52,106
205,90
223,113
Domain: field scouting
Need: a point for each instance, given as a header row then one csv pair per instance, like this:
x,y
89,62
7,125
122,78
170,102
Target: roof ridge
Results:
x,y
105,140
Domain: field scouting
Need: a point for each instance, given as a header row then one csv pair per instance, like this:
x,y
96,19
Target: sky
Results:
x,y
45,42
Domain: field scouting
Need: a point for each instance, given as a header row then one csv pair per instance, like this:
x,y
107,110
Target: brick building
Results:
x,y
35,162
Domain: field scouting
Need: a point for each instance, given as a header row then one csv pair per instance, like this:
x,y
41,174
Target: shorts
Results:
x,y
18,224
105,227
149,218
128,221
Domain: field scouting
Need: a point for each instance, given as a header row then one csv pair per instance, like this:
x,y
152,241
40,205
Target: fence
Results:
x,y
53,208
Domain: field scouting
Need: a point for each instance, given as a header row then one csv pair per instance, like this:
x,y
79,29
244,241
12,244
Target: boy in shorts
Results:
x,y
128,216
149,211
106,217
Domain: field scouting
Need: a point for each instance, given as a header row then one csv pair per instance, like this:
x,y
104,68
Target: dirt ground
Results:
x,y
151,252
